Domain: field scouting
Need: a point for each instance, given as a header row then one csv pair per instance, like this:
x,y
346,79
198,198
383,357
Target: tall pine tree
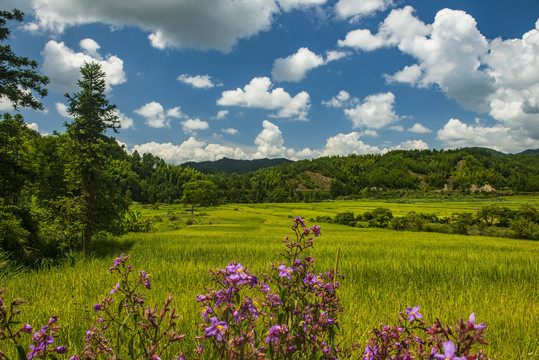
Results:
x,y
93,177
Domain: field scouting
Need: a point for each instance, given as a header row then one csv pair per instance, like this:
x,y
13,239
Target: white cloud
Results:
x,y
358,8
270,141
230,131
62,110
125,121
363,39
396,128
412,145
295,67
221,114
191,126
499,77
344,144
457,134
410,75
288,5
190,150
333,55
209,24
33,126
90,47
375,112
155,114
338,101
420,129
198,81
62,65
257,94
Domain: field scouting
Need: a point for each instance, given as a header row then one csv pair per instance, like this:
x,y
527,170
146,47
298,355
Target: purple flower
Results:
x,y
449,352
300,222
53,319
264,288
317,230
273,333
236,272
471,323
274,299
369,353
413,313
27,328
74,357
216,329
286,272
60,349
115,288
205,313
97,307
145,279
201,298
253,280
117,261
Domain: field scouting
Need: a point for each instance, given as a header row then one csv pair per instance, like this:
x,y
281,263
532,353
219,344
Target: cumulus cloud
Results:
x,y
198,81
209,24
62,65
499,77
375,112
420,129
412,145
125,121
230,131
190,150
295,67
358,8
457,134
155,114
344,144
191,126
221,114
338,101
259,94
270,141
62,110
33,126
288,5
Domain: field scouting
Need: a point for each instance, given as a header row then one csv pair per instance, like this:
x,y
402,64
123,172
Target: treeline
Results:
x,y
490,220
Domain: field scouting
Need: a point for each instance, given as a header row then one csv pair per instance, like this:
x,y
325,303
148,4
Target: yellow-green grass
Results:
x,y
448,276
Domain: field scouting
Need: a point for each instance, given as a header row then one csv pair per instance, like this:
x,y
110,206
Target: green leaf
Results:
x,y
130,348
53,357
22,352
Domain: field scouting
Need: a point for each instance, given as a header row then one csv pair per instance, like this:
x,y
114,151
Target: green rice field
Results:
x,y
448,276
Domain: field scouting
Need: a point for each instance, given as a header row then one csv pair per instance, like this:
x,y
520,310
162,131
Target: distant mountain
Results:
x,y
530,152
229,166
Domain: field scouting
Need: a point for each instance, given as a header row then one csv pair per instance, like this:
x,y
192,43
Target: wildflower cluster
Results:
x,y
42,340
124,328
412,339
289,314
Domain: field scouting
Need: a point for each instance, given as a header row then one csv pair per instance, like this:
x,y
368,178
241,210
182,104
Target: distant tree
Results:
x,y
93,176
18,79
199,193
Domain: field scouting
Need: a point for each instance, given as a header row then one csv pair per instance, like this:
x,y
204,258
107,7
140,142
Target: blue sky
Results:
x,y
200,80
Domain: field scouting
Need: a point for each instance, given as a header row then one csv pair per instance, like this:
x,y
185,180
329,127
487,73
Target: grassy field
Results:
x,y
448,276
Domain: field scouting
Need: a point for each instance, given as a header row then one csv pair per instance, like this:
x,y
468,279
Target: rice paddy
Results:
x,y
448,276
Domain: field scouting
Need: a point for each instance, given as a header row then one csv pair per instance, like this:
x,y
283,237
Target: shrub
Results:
x,y
345,218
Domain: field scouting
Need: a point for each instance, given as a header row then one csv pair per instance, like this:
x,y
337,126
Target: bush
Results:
x,y
345,218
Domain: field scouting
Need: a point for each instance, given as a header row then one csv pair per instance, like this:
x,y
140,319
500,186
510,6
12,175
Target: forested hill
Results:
x,y
462,170
229,166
